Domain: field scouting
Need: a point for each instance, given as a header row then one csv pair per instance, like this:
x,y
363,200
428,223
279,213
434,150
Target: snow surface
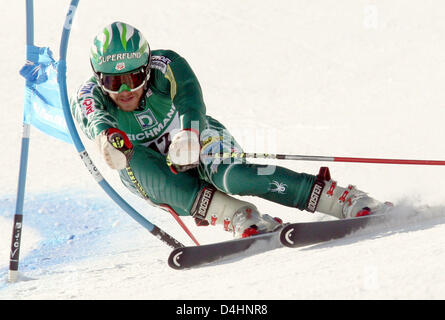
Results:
x,y
337,78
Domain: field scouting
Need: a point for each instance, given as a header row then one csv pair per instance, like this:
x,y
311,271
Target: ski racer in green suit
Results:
x,y
145,110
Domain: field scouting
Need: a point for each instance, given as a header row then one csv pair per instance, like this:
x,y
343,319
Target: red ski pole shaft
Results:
x,y
391,161
235,155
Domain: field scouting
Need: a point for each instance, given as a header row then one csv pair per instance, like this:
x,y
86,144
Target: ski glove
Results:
x,y
184,150
115,148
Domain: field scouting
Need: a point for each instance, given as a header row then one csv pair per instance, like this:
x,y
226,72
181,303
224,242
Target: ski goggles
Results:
x,y
131,81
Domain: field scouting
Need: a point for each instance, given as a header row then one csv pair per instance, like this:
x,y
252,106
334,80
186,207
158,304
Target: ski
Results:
x,y
307,233
195,256
292,235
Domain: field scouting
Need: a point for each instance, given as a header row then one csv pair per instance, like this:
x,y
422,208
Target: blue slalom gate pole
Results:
x,y
18,216
156,231
39,68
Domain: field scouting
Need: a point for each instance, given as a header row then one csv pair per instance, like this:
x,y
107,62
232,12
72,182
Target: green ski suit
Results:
x,y
174,101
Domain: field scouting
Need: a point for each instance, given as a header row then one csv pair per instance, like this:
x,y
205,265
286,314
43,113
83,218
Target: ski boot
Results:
x,y
343,203
247,221
212,207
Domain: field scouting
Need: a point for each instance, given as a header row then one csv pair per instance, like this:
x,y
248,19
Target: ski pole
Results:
x,y
243,155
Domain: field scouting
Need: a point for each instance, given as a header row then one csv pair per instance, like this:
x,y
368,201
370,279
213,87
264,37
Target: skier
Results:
x,y
145,110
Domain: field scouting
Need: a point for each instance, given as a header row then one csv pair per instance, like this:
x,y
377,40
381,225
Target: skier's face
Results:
x,y
126,100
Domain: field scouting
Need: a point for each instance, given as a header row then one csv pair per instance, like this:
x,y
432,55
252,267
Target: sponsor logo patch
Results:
x,y
146,119
120,66
315,196
88,106
202,203
119,56
86,90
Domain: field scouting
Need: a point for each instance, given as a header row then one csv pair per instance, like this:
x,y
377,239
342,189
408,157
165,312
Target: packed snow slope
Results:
x,y
351,78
